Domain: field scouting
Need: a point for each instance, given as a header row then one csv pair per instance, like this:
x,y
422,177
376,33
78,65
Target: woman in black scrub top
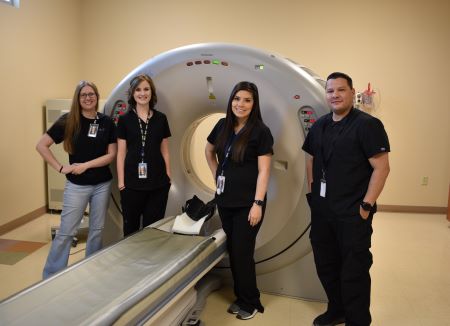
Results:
x,y
89,137
143,163
239,152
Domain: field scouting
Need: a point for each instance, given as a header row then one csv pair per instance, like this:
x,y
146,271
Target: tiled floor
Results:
x,y
12,251
29,270
411,275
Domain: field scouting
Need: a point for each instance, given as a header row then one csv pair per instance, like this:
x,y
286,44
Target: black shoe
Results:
x,y
328,319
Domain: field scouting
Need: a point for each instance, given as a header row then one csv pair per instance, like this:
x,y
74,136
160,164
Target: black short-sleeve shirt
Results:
x,y
344,148
158,129
87,148
241,177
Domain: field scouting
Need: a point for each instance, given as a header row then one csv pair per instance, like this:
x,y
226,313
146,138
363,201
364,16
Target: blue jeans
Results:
x,y
76,198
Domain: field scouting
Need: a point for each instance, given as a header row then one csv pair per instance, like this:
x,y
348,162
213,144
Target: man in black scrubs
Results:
x,y
347,166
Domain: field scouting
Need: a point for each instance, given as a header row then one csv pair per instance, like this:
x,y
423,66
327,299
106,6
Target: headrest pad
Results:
x,y
195,208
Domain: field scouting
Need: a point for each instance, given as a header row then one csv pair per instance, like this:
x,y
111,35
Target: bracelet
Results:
x,y
61,168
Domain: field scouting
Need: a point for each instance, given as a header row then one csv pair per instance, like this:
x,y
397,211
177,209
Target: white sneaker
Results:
x,y
233,308
244,315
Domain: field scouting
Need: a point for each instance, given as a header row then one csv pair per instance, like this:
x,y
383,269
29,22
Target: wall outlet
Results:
x,y
424,181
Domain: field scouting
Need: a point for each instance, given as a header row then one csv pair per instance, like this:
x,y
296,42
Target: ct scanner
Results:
x,y
192,83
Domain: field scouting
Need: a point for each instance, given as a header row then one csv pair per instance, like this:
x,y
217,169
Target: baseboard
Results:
x,y
5,228
412,209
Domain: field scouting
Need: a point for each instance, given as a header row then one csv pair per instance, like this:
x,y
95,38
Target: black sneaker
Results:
x,y
233,309
244,315
328,319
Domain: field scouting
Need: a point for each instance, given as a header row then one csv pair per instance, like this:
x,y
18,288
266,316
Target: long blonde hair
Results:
x,y
72,123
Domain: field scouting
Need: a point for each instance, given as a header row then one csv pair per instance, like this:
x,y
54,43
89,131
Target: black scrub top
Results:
x,y
345,148
241,177
157,130
87,148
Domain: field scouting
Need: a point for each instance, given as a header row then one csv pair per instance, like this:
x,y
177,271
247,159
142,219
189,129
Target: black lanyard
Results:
x,y
143,133
327,156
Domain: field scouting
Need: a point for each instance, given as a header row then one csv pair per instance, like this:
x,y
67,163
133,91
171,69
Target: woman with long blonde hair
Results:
x,y
89,137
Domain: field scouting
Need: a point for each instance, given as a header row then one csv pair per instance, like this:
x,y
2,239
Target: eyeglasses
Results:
x,y
84,95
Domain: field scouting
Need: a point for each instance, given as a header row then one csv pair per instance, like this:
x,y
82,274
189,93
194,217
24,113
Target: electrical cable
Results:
x,y
278,253
115,204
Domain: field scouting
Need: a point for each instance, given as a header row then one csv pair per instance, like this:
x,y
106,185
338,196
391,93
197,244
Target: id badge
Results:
x,y
93,128
220,184
323,188
142,170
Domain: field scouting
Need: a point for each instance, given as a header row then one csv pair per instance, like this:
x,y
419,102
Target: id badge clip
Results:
x,y
142,170
323,188
220,184
93,129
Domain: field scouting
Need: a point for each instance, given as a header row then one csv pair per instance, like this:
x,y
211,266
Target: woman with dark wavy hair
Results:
x,y
89,138
239,152
143,162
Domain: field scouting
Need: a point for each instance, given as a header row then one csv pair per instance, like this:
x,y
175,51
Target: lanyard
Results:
x,y
93,128
327,156
228,147
228,151
143,133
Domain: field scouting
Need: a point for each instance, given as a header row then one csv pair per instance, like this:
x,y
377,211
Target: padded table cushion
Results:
x,y
100,289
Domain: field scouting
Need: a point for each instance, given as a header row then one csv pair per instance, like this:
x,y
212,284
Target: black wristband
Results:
x,y
61,168
366,206
259,202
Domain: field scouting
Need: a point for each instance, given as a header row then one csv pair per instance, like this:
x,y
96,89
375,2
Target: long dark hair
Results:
x,y
254,119
72,123
134,83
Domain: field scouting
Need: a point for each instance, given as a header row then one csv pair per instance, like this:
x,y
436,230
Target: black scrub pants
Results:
x,y
151,204
341,247
241,237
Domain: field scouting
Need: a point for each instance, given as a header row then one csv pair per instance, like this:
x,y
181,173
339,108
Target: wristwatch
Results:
x,y
259,202
366,206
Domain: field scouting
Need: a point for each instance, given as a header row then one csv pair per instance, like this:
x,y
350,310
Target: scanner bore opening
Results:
x,y
193,151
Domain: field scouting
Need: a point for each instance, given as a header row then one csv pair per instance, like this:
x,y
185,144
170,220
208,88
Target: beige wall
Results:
x,y
39,59
402,47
